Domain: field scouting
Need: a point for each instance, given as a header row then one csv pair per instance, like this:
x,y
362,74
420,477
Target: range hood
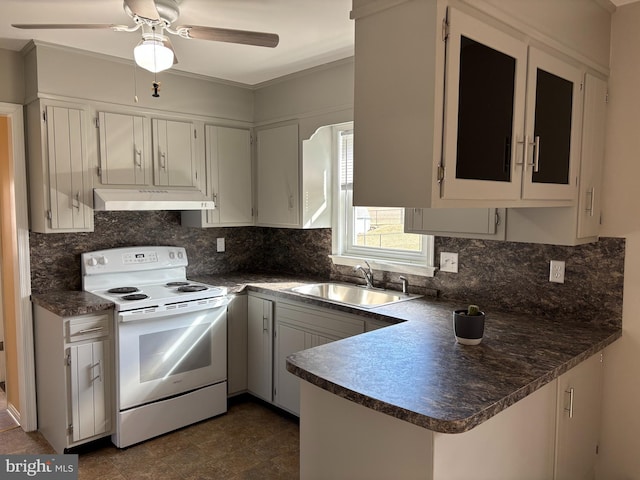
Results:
x,y
149,199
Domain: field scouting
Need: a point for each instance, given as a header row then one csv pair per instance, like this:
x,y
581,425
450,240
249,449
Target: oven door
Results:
x,y
172,354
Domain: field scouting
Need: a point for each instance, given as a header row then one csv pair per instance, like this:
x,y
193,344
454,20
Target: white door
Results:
x,y
593,135
123,153
552,128
70,185
578,420
260,348
90,399
278,176
229,158
289,340
484,111
174,153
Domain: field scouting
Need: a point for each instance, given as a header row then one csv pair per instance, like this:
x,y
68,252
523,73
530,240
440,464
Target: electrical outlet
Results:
x,y
219,244
556,271
449,262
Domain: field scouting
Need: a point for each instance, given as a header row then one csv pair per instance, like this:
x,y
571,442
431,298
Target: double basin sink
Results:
x,y
353,295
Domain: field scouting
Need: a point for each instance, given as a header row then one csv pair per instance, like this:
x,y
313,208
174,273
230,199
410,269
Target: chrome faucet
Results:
x,y
367,272
405,284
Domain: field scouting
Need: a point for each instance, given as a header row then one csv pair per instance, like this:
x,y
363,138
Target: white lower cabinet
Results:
x,y
73,377
578,416
299,328
542,436
260,347
237,312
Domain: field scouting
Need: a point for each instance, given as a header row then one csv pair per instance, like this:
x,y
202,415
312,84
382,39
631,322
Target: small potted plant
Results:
x,y
468,325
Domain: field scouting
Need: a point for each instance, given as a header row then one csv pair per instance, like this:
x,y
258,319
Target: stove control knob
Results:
x,y
180,255
172,255
103,260
92,262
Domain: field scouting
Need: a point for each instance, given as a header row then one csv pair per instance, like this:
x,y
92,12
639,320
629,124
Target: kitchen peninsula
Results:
x,y
401,397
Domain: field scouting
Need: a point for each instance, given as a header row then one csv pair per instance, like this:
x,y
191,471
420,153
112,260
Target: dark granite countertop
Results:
x,y
414,370
71,303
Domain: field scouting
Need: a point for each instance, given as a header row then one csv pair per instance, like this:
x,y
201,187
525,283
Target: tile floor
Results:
x,y
251,441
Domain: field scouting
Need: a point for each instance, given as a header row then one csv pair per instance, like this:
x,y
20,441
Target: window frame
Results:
x,y
343,248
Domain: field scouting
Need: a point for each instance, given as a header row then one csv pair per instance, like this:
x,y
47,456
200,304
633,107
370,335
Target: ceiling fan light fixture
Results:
x,y
152,55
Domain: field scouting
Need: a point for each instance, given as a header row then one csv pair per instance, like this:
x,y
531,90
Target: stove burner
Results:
x,y
177,284
135,296
192,288
123,290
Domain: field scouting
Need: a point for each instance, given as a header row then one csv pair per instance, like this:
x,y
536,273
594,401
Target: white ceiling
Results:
x,y
312,32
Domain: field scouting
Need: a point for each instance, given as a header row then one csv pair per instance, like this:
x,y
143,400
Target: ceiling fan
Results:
x,y
155,18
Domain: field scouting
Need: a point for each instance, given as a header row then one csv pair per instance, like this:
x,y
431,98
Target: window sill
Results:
x,y
385,266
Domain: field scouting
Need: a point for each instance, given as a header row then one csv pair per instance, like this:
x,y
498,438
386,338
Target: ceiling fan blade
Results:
x,y
53,26
143,8
245,37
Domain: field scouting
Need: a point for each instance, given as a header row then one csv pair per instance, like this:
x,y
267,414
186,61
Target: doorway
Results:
x,y
15,286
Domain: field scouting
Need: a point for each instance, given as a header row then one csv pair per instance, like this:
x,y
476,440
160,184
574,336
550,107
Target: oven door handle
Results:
x,y
152,313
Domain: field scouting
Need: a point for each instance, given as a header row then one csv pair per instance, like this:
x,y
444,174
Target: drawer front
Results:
x,y
87,327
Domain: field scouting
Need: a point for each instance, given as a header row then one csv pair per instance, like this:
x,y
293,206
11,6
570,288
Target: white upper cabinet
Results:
x,y
277,176
512,119
174,153
293,177
124,150
593,138
229,179
457,107
61,197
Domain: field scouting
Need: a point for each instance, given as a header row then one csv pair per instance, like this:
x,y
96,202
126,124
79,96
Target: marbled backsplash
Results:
x,y
495,275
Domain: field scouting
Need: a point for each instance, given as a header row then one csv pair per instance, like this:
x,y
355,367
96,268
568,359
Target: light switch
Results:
x,y
220,244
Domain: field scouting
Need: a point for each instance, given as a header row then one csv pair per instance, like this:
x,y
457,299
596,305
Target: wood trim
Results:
x,y
22,271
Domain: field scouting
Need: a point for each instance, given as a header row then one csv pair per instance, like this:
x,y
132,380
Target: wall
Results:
x,y
66,72
11,77
621,419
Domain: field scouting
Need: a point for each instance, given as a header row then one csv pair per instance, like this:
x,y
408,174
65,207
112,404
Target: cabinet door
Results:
x,y
89,380
578,420
237,313
174,153
484,111
593,135
487,223
69,179
277,176
554,112
228,153
260,348
289,340
123,156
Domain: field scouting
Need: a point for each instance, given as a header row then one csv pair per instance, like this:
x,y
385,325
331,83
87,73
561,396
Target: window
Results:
x,y
372,233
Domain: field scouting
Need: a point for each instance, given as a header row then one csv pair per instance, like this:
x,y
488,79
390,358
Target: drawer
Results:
x,y
87,327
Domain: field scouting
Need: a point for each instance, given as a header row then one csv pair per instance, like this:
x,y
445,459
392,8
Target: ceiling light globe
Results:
x,y
144,54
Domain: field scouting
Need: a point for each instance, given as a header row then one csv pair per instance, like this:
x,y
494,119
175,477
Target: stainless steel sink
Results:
x,y
353,295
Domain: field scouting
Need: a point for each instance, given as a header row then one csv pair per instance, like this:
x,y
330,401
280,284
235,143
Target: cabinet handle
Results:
x,y
536,153
163,160
290,201
88,330
265,324
99,376
75,203
570,407
215,200
592,196
137,156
